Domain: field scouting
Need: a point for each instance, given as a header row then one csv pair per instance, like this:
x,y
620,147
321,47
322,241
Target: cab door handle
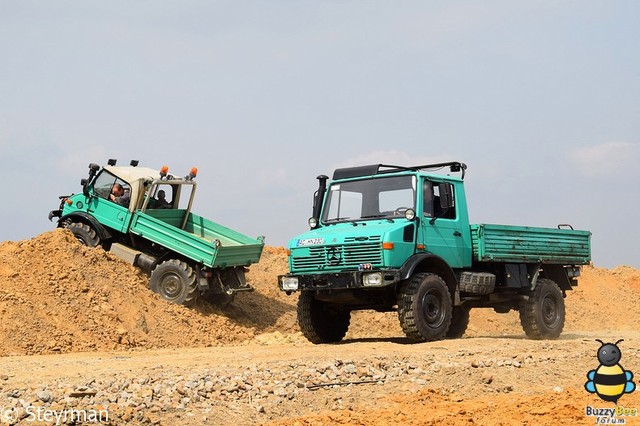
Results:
x,y
457,234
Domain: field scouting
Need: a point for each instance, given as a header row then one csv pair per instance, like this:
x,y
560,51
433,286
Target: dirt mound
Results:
x,y
59,296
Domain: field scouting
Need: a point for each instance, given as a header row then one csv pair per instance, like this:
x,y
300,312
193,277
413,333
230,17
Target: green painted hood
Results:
x,y
350,246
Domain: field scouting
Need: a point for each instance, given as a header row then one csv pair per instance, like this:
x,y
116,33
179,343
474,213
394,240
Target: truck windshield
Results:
x,y
387,197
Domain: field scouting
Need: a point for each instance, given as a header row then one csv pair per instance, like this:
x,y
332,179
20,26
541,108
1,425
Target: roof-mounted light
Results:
x,y
163,171
192,174
134,163
112,161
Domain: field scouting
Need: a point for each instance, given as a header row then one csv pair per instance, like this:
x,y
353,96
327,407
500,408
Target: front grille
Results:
x,y
338,256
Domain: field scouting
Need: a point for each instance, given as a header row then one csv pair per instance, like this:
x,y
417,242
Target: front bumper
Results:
x,y
54,213
338,280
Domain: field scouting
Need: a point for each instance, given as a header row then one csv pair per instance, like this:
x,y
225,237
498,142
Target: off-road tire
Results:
x,y
477,282
319,321
542,315
424,307
175,281
84,233
459,323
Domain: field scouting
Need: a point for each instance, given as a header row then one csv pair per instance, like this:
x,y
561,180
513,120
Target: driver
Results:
x,y
119,195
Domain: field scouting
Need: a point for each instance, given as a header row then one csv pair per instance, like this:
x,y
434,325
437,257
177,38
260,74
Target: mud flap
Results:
x,y
229,281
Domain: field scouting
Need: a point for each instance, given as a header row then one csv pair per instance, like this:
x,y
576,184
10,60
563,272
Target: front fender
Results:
x,y
429,262
102,231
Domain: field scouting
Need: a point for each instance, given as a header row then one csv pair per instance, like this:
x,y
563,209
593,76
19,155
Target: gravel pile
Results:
x,y
149,397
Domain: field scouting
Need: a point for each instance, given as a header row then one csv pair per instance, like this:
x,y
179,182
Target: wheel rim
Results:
x,y
432,309
550,315
170,286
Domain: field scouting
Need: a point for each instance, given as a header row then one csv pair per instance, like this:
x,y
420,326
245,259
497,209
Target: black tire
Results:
x,y
477,282
424,307
542,315
174,281
459,322
84,233
319,322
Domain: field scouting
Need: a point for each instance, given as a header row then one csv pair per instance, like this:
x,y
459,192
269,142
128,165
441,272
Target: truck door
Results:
x,y
107,212
442,236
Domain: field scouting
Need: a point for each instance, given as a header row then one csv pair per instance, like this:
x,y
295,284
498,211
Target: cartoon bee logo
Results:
x,y
610,381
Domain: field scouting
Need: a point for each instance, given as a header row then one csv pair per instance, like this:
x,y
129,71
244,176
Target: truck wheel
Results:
x,y
319,322
542,315
175,281
424,307
84,233
459,322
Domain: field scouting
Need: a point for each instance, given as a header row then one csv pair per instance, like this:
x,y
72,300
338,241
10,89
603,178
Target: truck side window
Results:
x,y
427,208
104,184
437,208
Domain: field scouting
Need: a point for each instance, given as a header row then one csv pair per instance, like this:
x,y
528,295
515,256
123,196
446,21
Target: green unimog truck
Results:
x,y
398,239
144,216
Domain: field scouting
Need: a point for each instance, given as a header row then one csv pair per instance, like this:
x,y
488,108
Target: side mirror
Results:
x,y
446,196
93,169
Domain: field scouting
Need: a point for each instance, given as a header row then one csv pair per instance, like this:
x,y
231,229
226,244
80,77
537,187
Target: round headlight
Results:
x,y
313,222
410,214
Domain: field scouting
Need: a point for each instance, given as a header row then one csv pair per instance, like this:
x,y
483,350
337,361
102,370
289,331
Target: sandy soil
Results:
x,y
71,313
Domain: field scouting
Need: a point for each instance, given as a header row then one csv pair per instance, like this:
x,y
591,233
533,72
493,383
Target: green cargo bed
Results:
x,y
517,244
198,238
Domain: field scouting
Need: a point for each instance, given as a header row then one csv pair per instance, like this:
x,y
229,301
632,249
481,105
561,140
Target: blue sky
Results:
x,y
541,100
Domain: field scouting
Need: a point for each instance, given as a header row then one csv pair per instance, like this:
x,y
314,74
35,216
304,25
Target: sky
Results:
x,y
541,99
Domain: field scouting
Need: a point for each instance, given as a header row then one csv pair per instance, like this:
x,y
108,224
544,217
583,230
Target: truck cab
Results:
x,y
373,219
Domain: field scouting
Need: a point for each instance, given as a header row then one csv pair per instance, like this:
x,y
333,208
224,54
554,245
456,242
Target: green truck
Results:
x,y
144,216
398,239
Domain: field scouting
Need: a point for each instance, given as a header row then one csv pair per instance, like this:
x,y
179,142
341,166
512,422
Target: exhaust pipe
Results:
x,y
319,195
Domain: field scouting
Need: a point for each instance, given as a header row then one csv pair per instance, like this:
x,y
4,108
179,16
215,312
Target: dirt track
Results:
x,y
73,316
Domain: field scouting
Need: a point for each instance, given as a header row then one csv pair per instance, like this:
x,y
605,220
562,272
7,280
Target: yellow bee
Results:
x,y
610,381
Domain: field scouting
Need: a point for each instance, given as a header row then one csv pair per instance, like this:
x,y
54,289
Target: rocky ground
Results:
x,y
80,331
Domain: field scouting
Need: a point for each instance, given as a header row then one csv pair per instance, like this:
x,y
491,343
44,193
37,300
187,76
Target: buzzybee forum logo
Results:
x,y
610,381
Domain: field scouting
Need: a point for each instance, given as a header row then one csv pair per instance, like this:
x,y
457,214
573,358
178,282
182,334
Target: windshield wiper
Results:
x,y
373,216
336,219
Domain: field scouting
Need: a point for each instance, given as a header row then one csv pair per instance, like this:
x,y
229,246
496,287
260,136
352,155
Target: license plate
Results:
x,y
310,242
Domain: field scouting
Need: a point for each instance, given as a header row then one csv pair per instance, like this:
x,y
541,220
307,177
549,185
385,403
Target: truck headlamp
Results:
x,y
313,222
290,283
372,279
410,214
